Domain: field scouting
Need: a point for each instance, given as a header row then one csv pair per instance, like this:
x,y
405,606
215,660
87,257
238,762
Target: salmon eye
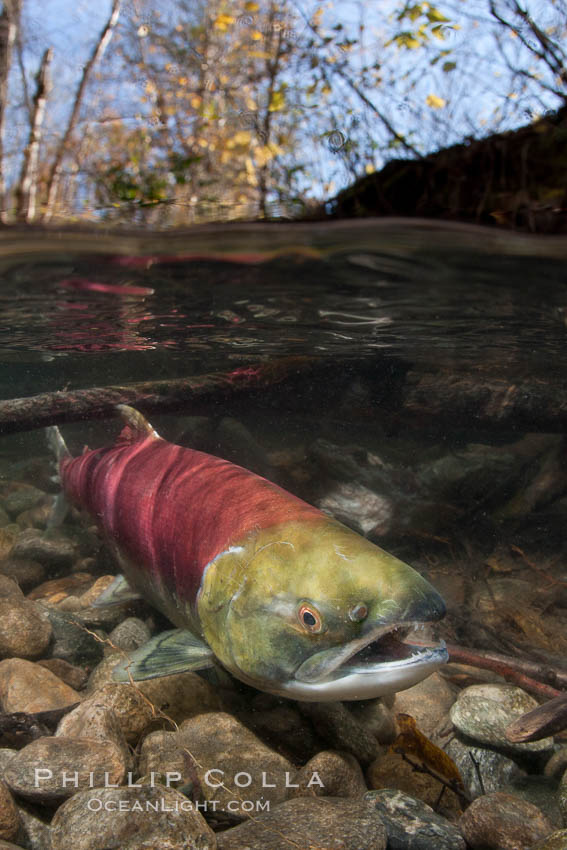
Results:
x,y
310,618
359,612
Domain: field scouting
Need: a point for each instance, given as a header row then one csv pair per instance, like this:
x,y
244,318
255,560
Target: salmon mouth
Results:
x,y
384,650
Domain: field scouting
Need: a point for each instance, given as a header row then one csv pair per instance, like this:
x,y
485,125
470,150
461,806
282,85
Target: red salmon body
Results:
x,y
173,510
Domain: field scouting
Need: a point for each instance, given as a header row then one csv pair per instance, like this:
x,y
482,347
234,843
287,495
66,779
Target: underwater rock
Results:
x,y
7,845
541,792
25,632
9,588
554,841
496,770
95,723
339,773
562,797
160,753
50,769
358,507
130,708
340,728
482,712
132,819
72,641
4,518
428,702
27,573
413,825
226,752
308,822
51,548
25,686
9,817
35,832
37,517
557,764
8,536
73,676
5,755
128,635
375,716
22,497
503,822
391,771
284,729
179,696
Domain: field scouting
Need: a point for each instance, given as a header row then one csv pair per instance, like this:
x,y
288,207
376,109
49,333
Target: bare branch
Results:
x,y
98,51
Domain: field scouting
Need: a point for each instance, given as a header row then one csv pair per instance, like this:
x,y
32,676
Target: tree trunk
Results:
x,y
9,23
27,189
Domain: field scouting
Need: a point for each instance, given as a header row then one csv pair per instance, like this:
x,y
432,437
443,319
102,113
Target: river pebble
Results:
x,y
413,825
96,723
541,791
179,696
51,548
309,822
483,771
25,631
330,774
7,845
22,497
9,817
555,841
25,686
132,711
428,702
27,573
390,770
376,718
503,822
128,635
72,641
8,537
160,753
51,769
35,831
126,818
73,676
482,712
284,729
9,588
562,797
341,730
246,767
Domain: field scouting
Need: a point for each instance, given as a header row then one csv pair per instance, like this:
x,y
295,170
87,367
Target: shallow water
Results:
x,y
407,378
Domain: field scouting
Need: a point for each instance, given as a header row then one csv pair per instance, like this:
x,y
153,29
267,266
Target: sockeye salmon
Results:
x,y
286,598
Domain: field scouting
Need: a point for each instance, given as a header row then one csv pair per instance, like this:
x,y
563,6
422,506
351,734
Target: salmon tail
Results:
x,y
136,425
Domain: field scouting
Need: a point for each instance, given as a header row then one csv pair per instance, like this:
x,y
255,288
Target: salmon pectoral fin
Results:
x,y
178,651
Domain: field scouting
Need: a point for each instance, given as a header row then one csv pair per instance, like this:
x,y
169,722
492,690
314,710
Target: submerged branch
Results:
x,y
527,675
23,414
545,720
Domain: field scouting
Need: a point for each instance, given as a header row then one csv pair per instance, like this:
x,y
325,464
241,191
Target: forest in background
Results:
x,y
186,111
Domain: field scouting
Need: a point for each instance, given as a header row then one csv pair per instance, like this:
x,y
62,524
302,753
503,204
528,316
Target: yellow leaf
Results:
x,y
182,81
251,6
369,168
277,101
413,743
196,101
257,36
435,102
222,22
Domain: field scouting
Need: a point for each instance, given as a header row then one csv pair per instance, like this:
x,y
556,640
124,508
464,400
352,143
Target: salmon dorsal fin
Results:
x,y
137,426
